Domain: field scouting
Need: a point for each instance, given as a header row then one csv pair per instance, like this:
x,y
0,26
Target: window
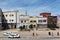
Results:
x,y
6,15
39,20
21,21
31,21
34,20
25,21
44,20
11,15
12,20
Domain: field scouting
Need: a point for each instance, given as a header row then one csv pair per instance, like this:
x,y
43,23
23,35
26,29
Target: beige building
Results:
x,y
33,21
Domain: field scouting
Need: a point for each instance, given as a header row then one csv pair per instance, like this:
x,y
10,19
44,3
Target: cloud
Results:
x,y
32,10
34,7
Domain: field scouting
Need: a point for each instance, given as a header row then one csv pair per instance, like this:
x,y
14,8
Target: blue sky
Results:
x,y
34,7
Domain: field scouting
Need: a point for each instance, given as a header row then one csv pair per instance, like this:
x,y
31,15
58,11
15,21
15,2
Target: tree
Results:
x,y
31,26
51,24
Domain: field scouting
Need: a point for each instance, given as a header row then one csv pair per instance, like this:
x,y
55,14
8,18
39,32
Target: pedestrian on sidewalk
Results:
x,y
33,33
49,33
58,33
36,34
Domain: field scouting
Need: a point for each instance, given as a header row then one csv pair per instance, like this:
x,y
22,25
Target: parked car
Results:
x,y
11,35
7,33
14,36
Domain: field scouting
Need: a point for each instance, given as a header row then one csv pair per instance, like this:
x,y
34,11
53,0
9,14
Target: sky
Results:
x,y
33,7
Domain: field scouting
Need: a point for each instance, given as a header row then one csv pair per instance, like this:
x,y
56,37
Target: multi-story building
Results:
x,y
45,14
3,22
33,21
24,21
52,22
41,22
11,18
36,21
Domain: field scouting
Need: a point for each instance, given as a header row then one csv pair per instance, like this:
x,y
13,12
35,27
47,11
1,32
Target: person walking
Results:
x,y
33,33
49,33
57,33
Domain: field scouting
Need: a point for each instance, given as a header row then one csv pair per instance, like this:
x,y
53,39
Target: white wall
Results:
x,y
8,17
42,18
23,18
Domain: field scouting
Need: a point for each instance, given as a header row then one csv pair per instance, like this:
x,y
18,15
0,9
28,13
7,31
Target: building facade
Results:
x,y
3,22
52,22
33,21
42,22
11,17
36,21
1,13
58,21
24,21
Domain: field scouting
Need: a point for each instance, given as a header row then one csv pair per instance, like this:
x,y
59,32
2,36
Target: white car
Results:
x,y
7,33
14,36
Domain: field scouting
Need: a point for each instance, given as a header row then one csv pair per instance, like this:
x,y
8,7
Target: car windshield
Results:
x,y
12,35
7,33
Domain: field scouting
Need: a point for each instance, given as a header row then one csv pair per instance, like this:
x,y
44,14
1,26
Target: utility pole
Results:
x,y
16,18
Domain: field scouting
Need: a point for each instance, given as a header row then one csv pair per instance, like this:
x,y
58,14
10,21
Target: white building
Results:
x,y
42,22
24,21
12,18
38,21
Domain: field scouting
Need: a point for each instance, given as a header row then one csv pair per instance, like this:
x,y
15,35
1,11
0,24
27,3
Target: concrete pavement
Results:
x,y
30,33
